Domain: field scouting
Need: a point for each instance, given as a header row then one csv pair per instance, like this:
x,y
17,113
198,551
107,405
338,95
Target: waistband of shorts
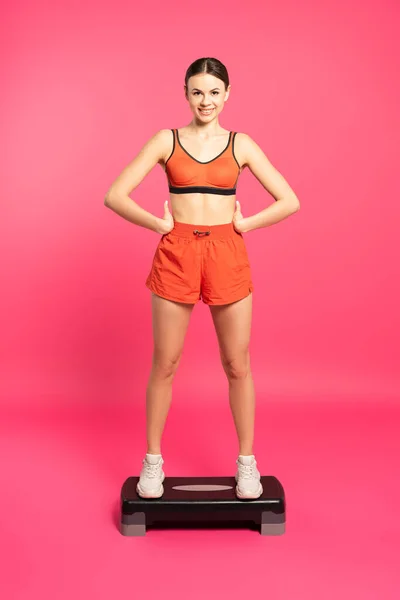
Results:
x,y
219,232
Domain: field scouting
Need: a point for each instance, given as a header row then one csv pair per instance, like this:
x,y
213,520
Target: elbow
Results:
x,y
290,201
109,199
294,204
113,198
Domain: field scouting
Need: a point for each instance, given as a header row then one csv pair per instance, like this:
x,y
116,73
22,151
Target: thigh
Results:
x,y
170,323
232,324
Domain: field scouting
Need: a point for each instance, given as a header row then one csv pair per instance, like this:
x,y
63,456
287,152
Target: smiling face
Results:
x,y
206,95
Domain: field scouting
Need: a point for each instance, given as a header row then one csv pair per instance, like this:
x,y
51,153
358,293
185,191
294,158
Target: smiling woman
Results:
x,y
202,255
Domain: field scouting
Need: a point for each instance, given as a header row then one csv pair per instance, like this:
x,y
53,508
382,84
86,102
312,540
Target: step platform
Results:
x,y
202,502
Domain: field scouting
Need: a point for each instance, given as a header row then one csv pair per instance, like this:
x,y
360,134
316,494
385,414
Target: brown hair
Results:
x,y
210,65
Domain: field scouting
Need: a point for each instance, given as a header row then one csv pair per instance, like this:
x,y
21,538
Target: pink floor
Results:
x,y
338,460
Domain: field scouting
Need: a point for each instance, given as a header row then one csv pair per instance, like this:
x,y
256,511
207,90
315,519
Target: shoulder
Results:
x,y
244,147
244,140
161,141
167,132
247,147
163,135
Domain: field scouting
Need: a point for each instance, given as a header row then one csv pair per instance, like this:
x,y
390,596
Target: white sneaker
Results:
x,y
248,484
151,477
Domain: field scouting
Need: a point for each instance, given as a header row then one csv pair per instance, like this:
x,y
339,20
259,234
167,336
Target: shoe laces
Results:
x,y
152,471
247,471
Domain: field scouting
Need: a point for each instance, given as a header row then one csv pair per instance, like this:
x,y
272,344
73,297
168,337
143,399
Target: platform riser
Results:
x,y
134,525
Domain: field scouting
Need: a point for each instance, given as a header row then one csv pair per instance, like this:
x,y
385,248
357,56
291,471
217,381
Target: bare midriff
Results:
x,y
202,209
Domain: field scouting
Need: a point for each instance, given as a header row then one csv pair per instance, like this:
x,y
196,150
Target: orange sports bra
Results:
x,y
188,175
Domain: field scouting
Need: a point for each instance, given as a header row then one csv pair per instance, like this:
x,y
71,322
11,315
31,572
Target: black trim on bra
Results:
x,y
207,161
173,146
201,189
233,149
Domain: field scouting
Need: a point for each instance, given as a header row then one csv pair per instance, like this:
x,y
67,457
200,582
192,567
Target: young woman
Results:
x,y
201,254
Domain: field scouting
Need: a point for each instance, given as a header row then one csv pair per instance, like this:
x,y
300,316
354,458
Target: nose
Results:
x,y
204,103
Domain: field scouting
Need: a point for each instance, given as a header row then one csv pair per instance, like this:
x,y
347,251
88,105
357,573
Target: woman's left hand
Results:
x,y
239,222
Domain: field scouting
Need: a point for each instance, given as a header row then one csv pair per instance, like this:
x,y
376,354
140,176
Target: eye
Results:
x,y
214,92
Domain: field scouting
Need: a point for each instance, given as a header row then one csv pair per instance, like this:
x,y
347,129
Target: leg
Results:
x,y
233,324
170,323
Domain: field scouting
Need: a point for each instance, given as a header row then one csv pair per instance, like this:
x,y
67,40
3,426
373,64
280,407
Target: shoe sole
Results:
x,y
151,494
249,495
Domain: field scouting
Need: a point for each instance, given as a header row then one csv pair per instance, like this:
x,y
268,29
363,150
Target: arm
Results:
x,y
286,201
117,197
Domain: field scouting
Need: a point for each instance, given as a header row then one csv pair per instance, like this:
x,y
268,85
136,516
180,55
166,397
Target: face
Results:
x,y
206,95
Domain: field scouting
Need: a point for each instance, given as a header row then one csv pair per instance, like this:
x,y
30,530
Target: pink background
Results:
x,y
85,84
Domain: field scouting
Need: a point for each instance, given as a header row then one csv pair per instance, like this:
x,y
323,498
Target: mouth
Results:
x,y
206,112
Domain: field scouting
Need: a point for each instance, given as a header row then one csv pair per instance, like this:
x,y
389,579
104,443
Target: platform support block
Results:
x,y
272,524
133,525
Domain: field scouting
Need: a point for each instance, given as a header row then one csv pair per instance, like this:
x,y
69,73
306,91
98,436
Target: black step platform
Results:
x,y
202,501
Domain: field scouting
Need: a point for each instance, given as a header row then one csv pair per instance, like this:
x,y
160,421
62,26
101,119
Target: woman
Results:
x,y
201,254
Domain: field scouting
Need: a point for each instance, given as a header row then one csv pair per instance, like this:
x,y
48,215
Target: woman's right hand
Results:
x,y
166,224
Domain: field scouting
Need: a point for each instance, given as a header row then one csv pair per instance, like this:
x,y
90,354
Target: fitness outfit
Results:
x,y
198,261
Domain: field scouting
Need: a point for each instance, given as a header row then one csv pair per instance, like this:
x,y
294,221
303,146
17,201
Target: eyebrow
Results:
x,y
197,89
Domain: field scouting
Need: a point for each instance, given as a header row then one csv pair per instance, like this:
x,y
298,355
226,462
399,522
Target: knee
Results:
x,y
165,368
237,367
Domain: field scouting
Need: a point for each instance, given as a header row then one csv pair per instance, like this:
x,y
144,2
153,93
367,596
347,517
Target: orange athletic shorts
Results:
x,y
198,261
